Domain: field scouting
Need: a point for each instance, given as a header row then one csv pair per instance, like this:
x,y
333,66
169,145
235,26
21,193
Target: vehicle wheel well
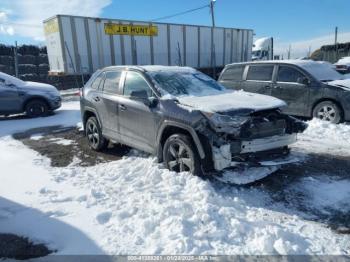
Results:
x,y
331,100
42,99
207,162
167,132
87,115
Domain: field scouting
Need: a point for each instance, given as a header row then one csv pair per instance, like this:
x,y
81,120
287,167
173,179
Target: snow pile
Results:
x,y
68,115
173,69
61,141
37,137
325,137
135,206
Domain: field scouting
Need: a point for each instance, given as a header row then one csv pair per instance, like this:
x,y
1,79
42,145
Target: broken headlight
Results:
x,y
220,120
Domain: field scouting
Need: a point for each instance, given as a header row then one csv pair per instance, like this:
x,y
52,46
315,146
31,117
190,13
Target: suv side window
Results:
x,y
288,74
260,72
233,73
111,84
96,83
135,83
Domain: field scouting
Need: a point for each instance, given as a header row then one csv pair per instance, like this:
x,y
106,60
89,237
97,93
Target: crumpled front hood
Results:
x,y
231,101
344,84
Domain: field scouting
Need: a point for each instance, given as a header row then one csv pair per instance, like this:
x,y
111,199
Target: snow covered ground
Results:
x,y
135,206
68,115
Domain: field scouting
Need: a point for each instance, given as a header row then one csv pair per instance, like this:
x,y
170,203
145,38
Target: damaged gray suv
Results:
x,y
185,118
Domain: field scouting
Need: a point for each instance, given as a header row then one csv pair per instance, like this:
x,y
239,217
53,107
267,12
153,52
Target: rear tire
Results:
x,y
94,135
36,108
180,155
328,111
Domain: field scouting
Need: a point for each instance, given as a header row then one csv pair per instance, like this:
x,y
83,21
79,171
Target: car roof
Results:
x,y
298,62
152,68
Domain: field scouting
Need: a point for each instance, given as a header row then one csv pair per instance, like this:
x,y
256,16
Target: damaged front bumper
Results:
x,y
263,144
243,153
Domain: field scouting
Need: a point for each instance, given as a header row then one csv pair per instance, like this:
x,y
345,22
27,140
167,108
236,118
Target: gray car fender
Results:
x,y
33,97
92,110
189,129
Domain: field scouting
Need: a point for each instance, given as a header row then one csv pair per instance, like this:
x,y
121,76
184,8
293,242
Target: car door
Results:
x,y
10,98
258,79
292,86
232,77
137,119
108,104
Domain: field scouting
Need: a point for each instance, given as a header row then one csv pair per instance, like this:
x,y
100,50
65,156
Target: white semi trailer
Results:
x,y
81,45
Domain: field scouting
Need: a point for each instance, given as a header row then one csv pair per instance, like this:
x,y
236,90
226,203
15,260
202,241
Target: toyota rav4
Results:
x,y
185,118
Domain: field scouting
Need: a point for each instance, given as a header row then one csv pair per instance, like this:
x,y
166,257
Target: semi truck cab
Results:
x,y
263,49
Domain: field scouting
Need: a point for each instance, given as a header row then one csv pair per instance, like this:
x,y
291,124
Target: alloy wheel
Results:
x,y
179,158
92,134
327,113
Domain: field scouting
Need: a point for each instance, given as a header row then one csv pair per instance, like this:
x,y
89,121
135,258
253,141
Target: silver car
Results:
x,y
34,99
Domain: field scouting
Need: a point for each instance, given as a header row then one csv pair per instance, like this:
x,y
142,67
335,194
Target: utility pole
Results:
x,y
16,60
289,51
336,44
309,53
212,2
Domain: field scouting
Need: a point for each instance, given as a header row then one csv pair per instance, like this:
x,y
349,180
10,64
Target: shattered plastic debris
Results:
x,y
246,176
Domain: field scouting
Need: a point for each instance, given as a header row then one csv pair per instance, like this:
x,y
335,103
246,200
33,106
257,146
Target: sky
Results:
x,y
299,23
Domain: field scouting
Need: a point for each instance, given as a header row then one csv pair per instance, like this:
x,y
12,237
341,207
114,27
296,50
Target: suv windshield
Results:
x,y
186,83
321,71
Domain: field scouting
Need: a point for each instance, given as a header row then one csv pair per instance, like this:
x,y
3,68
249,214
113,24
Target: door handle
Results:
x,y
267,87
277,87
97,99
122,107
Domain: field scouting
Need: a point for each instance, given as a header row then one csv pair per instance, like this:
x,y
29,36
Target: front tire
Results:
x,y
94,134
328,111
180,154
36,108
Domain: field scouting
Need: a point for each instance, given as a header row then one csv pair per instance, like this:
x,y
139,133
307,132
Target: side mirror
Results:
x,y
303,81
142,96
152,101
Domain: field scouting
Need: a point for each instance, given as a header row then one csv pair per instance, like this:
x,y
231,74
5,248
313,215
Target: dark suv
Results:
x,y
311,89
186,119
